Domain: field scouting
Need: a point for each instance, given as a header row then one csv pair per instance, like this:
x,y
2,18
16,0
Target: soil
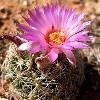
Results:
x,y
12,11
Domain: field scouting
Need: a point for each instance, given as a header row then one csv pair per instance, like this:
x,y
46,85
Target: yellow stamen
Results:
x,y
56,37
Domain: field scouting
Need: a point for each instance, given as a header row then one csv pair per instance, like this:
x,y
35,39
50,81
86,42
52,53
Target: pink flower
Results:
x,y
53,29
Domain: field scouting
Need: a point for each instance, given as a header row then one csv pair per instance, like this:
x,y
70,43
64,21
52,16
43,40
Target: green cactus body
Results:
x,y
35,78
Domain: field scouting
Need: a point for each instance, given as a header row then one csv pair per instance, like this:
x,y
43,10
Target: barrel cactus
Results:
x,y
41,80
47,64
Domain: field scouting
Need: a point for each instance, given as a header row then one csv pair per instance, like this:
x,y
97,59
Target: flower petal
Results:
x,y
53,55
81,16
40,18
48,14
35,48
70,56
24,28
28,29
31,23
77,29
65,47
76,21
81,36
25,46
31,36
76,44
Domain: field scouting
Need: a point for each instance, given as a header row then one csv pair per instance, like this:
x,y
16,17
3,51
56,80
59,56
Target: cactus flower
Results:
x,y
52,29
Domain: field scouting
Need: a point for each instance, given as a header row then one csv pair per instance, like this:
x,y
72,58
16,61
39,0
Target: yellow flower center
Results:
x,y
56,37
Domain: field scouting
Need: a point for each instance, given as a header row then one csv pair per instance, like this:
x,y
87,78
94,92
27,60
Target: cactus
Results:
x,y
45,67
33,77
